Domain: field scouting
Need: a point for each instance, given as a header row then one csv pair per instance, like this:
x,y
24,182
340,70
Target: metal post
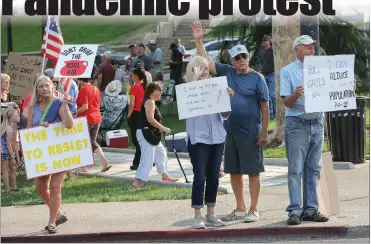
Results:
x,y
43,25
9,34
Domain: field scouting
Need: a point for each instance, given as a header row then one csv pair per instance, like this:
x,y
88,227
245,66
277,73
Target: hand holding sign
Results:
x,y
299,91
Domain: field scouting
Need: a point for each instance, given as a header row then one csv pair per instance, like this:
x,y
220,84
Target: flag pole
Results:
x,y
46,43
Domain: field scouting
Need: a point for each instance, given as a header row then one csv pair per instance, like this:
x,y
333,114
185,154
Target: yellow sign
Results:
x,y
56,149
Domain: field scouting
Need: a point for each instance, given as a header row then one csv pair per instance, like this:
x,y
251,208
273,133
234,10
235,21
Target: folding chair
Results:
x,y
168,95
111,127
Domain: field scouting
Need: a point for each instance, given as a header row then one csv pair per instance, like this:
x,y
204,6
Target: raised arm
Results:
x,y
198,33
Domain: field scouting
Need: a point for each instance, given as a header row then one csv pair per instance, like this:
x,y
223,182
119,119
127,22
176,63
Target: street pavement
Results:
x,y
121,162
353,187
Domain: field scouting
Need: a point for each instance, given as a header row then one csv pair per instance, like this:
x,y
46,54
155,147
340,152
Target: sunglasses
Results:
x,y
238,57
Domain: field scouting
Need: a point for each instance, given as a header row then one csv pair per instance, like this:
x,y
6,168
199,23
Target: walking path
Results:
x,y
121,162
131,217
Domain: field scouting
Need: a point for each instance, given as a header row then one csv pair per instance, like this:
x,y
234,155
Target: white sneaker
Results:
x,y
198,223
252,216
212,219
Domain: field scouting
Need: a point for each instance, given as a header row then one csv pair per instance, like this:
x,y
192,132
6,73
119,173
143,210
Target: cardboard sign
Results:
x,y
329,83
328,196
23,71
56,149
76,61
203,97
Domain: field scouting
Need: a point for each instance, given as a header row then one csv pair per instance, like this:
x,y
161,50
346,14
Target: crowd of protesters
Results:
x,y
239,134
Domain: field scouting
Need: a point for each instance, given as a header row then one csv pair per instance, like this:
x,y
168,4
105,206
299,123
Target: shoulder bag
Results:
x,y
150,133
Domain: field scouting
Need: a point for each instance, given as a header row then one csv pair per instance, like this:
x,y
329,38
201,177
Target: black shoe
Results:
x,y
294,220
133,167
315,217
63,219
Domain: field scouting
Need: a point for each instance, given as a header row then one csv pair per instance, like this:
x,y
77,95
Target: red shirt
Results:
x,y
137,90
90,95
27,100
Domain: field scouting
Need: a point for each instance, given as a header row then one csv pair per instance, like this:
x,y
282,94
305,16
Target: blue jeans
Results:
x,y
206,160
304,140
271,83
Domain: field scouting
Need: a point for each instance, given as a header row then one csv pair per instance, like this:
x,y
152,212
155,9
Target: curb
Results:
x,y
332,230
153,182
267,161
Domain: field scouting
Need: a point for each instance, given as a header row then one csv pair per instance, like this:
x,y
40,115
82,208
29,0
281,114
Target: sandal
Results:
x,y
171,179
63,219
52,229
106,169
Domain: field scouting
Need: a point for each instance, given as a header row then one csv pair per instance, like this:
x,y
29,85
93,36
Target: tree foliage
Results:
x,y
337,36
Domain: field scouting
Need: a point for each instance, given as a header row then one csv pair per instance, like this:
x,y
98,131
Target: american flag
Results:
x,y
52,40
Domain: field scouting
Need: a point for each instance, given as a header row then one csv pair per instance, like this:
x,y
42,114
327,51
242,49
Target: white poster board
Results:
x,y
76,61
203,97
55,148
329,83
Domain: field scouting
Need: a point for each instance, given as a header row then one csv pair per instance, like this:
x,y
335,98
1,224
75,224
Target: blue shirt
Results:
x,y
145,59
250,89
52,115
74,92
206,129
291,76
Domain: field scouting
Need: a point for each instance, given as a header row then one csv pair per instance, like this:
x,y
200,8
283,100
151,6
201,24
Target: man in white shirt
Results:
x,y
179,45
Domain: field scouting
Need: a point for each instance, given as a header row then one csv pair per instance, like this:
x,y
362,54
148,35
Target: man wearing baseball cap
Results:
x,y
246,126
303,139
156,55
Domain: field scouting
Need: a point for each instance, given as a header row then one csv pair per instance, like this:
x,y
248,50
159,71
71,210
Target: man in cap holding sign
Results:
x,y
247,125
303,139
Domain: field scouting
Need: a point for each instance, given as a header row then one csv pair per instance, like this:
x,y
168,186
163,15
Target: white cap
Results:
x,y
238,49
152,42
107,54
304,39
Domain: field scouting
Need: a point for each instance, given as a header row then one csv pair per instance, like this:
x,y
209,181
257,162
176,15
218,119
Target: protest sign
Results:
x,y
76,61
329,83
54,149
23,71
203,97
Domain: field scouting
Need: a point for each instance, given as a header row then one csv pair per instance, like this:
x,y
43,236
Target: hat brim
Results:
x,y
239,54
114,93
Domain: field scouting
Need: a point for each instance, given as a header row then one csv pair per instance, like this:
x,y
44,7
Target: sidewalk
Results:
x,y
121,162
173,218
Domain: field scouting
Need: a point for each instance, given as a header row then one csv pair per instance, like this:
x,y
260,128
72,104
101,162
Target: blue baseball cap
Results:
x,y
238,49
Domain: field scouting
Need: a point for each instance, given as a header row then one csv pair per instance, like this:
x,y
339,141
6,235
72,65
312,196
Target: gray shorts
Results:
x,y
242,156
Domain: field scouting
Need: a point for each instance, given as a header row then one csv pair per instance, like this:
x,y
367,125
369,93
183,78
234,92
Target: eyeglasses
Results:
x,y
243,56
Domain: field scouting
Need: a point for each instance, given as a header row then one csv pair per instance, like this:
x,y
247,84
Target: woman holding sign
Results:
x,y
206,137
45,108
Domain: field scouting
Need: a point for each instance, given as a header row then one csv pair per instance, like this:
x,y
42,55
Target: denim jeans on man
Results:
x,y
304,140
206,160
271,83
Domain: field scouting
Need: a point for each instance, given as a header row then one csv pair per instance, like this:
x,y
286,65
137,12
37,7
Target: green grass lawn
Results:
x,y
27,34
94,190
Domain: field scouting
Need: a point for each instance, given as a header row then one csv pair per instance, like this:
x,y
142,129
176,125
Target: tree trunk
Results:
x,y
284,31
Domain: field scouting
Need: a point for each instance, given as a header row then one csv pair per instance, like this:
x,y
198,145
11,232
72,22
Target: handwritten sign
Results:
x,y
22,71
203,97
76,61
329,83
56,149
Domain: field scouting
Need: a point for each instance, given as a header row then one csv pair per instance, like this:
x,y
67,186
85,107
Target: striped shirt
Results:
x,y
206,129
